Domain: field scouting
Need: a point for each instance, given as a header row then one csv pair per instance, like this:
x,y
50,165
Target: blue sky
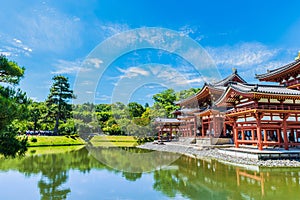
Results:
x,y
56,37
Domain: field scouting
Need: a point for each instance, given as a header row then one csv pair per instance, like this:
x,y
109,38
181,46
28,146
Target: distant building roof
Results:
x,y
167,120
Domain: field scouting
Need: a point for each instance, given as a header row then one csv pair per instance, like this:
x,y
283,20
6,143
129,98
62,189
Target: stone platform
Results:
x,y
265,154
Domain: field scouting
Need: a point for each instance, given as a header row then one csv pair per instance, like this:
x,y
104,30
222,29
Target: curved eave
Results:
x,y
208,112
232,78
275,96
277,74
204,93
194,98
228,94
231,95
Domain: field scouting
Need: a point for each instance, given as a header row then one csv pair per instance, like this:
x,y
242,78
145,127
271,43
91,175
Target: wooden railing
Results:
x,y
266,107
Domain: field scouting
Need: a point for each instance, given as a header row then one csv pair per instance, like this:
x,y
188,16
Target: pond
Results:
x,y
128,173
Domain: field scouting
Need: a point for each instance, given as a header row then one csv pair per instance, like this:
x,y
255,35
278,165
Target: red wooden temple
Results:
x,y
252,114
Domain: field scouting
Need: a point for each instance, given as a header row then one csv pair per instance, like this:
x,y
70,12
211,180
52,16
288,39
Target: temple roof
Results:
x,y
270,89
167,120
251,90
218,86
233,77
279,73
187,110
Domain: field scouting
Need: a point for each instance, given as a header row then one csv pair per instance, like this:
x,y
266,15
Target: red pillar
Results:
x,y
265,135
224,128
214,125
258,130
252,134
278,134
203,130
285,137
243,133
235,134
171,131
159,134
195,126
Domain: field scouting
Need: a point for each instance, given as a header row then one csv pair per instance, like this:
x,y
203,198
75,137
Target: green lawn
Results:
x,y
54,141
52,149
119,141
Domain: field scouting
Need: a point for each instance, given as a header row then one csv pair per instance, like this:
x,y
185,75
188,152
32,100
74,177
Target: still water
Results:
x,y
108,173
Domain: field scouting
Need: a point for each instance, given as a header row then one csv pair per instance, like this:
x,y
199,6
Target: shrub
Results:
x,y
142,140
33,139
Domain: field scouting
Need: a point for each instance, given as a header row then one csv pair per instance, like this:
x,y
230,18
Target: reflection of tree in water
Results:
x,y
132,160
186,176
54,174
53,169
50,186
166,181
131,176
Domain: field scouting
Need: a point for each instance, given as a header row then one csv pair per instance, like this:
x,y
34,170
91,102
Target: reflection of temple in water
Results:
x,y
253,179
209,179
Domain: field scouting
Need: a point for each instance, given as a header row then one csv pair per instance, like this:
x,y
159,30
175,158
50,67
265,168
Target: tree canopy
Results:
x,y
13,105
10,71
57,101
164,102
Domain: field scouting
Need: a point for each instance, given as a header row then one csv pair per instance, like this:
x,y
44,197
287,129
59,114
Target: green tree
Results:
x,y
36,111
164,103
183,94
13,105
10,71
57,101
135,109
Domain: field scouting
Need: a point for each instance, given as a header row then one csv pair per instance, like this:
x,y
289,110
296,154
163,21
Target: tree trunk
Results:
x,y
34,126
56,124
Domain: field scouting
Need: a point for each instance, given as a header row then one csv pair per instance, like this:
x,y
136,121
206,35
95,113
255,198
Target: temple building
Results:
x,y
260,115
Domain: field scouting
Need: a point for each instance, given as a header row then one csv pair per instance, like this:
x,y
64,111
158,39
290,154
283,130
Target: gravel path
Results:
x,y
210,152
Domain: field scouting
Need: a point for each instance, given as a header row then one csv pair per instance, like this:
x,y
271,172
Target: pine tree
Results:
x,y
57,101
13,105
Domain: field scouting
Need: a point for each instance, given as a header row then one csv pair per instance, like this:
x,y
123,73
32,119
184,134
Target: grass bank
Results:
x,y
119,141
38,141
51,149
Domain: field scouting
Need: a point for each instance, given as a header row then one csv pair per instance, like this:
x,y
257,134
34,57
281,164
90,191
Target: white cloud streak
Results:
x,y
242,55
133,72
67,67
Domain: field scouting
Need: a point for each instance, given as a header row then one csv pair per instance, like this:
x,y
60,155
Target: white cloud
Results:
x,y
13,46
95,61
34,98
191,31
251,58
17,41
242,55
47,29
27,49
171,76
110,29
103,98
5,53
67,67
133,72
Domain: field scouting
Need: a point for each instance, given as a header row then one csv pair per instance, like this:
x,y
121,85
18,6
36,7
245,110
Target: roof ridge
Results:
x,y
278,69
